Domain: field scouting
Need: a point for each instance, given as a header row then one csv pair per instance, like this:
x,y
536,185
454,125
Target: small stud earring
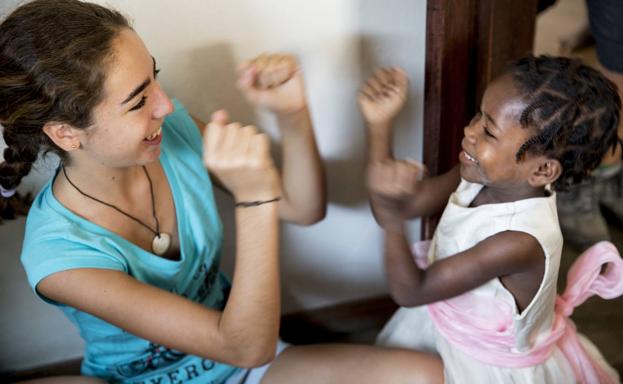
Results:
x,y
74,146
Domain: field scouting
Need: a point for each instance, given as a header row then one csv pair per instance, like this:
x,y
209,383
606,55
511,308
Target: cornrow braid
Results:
x,y
53,55
574,110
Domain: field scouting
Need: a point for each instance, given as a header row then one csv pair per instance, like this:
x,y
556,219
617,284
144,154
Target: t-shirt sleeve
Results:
x,y
44,257
180,129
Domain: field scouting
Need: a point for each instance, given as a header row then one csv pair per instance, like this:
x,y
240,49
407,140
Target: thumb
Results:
x,y
247,75
220,117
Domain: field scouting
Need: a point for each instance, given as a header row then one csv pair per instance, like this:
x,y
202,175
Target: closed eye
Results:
x,y
487,132
140,104
143,99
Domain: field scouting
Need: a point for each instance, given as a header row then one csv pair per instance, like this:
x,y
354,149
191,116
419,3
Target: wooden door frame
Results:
x,y
468,43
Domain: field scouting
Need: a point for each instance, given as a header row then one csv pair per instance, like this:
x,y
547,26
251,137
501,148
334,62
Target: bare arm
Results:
x,y
430,195
399,184
275,82
245,332
505,254
303,175
380,99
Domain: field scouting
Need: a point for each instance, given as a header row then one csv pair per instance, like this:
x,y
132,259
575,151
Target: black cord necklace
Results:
x,y
162,241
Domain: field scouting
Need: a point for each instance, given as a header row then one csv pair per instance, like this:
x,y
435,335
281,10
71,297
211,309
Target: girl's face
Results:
x,y
127,123
494,136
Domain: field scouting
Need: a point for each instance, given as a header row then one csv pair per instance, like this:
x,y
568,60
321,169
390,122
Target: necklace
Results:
x,y
162,241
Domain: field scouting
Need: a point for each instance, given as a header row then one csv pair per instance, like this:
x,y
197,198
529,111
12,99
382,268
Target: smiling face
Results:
x,y
127,123
493,138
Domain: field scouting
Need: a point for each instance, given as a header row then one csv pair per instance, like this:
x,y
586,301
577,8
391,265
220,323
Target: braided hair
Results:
x,y
53,54
574,110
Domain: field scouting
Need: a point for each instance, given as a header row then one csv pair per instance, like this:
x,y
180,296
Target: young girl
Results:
x,y
489,274
126,238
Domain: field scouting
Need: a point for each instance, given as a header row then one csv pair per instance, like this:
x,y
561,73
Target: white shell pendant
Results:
x,y
161,243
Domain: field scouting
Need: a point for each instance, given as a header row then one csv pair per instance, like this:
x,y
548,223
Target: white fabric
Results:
x,y
255,375
462,227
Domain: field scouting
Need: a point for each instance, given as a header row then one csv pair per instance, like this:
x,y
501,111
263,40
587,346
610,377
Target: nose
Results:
x,y
469,132
163,105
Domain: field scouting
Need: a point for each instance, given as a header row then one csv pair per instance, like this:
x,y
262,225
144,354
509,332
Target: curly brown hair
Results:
x,y
573,108
53,56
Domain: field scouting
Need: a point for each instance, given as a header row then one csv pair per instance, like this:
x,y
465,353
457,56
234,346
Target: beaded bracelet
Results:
x,y
247,204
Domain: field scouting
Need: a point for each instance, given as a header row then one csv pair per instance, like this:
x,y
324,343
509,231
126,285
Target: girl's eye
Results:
x,y
487,132
140,104
156,72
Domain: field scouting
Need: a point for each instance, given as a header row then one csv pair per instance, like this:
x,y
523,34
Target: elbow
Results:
x,y
256,356
310,216
314,216
406,299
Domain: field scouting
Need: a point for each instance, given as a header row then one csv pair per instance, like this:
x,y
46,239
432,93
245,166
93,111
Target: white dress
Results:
x,y
461,228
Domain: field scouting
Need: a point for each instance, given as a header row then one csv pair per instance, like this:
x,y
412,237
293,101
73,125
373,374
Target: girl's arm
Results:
x,y
380,99
399,183
275,82
245,332
515,257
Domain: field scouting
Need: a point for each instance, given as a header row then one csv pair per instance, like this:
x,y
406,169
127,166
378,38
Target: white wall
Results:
x,y
197,44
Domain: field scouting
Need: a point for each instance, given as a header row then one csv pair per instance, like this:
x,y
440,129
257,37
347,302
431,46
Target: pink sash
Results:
x,y
483,328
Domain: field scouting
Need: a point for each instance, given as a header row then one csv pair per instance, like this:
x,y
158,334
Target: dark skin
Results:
x,y
398,192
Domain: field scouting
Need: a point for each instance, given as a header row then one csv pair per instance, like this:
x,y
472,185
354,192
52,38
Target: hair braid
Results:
x,y
53,56
574,110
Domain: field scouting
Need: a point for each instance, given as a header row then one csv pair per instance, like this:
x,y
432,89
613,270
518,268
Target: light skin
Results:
x,y
275,83
398,191
108,157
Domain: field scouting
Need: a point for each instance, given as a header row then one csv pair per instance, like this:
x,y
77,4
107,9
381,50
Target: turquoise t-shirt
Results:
x,y
56,240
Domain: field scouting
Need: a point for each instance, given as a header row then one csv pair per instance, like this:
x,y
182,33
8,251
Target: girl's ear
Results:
x,y
64,136
546,171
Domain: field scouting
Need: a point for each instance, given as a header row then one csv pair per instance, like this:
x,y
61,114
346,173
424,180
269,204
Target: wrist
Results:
x,y
292,116
255,203
380,127
393,227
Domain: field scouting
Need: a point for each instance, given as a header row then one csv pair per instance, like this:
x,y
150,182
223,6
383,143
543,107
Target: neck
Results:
x,y
114,181
496,195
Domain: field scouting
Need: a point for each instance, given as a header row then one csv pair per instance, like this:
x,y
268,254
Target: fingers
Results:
x,y
394,179
220,116
267,71
234,144
384,83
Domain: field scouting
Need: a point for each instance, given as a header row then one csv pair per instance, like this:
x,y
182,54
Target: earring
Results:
x,y
74,146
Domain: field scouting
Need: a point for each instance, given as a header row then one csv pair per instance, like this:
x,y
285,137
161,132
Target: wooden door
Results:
x,y
468,43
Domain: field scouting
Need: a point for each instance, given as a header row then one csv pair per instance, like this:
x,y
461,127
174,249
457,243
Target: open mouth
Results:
x,y
467,158
154,136
470,157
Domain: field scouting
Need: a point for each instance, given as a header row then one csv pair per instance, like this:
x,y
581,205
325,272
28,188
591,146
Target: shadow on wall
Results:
x,y
214,85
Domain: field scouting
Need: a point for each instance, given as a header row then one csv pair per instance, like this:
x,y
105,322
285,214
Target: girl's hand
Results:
x,y
239,156
273,81
383,96
391,185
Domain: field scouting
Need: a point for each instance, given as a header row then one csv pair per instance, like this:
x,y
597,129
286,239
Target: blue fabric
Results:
x,y
58,240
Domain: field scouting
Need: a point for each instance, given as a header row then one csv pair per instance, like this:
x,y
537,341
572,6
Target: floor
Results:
x,y
600,320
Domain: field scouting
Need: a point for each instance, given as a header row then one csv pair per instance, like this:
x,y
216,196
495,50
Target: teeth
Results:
x,y
155,134
470,157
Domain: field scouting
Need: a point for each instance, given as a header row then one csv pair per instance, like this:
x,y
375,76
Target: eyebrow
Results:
x,y
488,117
140,88
136,91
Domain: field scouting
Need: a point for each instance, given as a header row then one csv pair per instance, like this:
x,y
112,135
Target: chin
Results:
x,y
467,174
